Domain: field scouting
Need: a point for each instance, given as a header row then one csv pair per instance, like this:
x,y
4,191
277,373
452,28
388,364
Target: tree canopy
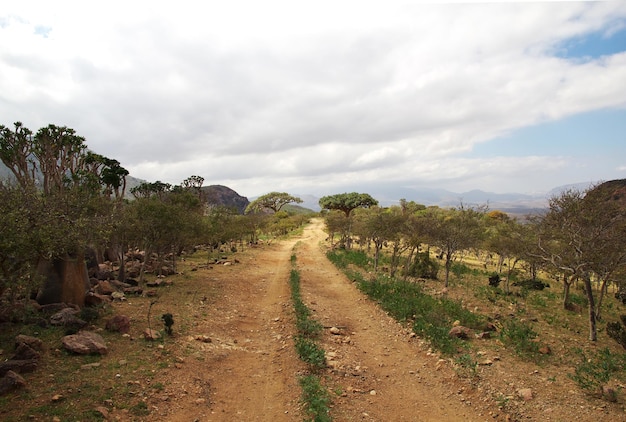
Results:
x,y
346,202
274,201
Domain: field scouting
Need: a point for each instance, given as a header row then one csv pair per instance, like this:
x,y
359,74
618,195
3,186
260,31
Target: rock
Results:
x,y
545,350
460,332
11,381
484,335
67,318
105,288
20,366
334,330
33,342
118,296
133,290
103,411
149,334
84,343
95,299
118,323
24,352
489,326
525,393
154,283
203,339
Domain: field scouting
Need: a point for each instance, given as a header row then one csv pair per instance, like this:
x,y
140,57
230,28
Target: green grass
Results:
x,y
432,317
315,398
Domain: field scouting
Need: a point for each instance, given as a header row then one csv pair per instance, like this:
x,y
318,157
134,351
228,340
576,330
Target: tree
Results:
x,y
346,202
453,231
273,201
581,236
73,186
505,237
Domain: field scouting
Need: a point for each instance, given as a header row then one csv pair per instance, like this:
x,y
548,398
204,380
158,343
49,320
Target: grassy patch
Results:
x,y
316,398
432,317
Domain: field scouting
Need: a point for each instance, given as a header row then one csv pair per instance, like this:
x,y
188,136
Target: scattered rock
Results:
x,y
105,288
151,335
19,366
95,299
525,393
67,318
334,330
545,350
118,296
11,381
33,342
103,411
460,332
118,323
84,343
203,339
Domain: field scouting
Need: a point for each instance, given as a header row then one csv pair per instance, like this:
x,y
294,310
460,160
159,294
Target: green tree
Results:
x,y
73,186
273,201
346,202
454,231
581,236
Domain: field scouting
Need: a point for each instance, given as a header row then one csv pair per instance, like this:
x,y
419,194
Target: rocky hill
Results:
x,y
225,196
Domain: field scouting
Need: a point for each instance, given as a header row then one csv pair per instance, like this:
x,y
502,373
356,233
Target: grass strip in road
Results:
x,y
314,395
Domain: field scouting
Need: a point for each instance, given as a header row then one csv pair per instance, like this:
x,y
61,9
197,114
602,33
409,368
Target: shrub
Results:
x,y
423,267
521,336
593,372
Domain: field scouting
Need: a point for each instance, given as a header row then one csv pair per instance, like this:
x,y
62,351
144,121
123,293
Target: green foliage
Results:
x,y
273,201
346,202
433,317
459,269
310,352
592,372
168,321
467,367
423,266
315,398
343,258
521,337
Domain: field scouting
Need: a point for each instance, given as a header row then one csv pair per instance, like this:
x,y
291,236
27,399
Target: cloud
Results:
x,y
258,93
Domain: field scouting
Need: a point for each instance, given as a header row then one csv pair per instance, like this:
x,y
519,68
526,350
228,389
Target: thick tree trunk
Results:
x,y
65,280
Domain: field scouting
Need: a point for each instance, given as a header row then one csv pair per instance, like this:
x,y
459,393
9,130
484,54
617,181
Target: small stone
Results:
x,y
102,411
525,393
545,350
373,393
57,397
335,331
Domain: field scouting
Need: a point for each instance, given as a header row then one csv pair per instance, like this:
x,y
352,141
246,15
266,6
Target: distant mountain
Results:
x,y
225,196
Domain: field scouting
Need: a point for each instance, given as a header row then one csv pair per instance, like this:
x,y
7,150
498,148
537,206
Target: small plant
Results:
x,y
315,398
521,336
467,367
594,372
310,352
168,321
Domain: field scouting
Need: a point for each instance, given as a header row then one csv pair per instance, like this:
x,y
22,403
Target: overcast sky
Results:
x,y
315,96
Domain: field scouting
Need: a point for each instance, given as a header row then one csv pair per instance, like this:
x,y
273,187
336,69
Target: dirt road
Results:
x,y
246,369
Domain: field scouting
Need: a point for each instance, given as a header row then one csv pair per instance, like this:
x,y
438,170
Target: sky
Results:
x,y
315,97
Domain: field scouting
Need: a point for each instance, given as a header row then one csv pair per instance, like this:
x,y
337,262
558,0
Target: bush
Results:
x,y
521,336
423,267
593,372
310,352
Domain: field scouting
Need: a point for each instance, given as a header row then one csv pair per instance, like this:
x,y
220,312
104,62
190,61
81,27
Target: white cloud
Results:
x,y
283,92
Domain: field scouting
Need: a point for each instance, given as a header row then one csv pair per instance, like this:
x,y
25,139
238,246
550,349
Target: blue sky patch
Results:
x,y
605,130
593,46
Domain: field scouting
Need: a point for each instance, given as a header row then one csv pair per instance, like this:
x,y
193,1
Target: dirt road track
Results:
x,y
249,371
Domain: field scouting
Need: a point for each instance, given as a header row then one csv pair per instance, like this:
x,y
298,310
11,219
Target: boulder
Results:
x,y
105,288
119,323
67,318
11,381
31,341
85,343
95,299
